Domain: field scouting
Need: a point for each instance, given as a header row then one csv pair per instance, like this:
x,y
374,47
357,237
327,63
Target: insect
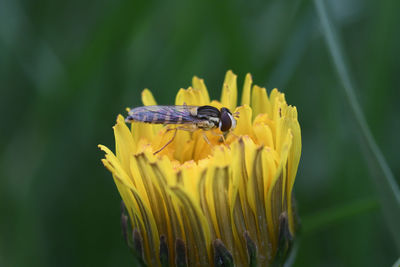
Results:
x,y
189,118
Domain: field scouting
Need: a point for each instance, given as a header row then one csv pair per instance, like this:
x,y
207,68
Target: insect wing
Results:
x,y
164,114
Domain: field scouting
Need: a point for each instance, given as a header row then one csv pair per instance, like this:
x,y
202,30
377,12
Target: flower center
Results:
x,y
182,145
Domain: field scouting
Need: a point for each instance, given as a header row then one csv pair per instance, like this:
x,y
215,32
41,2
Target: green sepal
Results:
x,y
222,257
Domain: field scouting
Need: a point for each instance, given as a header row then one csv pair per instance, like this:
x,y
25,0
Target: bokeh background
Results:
x,y
67,68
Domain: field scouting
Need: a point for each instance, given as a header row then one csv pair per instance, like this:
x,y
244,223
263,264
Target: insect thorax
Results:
x,y
208,124
209,116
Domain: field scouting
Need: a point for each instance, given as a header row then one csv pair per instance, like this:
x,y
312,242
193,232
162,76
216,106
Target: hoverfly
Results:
x,y
190,118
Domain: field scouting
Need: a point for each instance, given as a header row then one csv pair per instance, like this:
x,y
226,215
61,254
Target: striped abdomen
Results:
x,y
163,114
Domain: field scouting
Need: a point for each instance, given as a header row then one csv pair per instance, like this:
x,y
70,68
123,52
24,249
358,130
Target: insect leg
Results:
x,y
206,139
221,136
169,129
169,142
188,128
232,133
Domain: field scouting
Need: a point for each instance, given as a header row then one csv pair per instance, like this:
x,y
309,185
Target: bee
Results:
x,y
189,118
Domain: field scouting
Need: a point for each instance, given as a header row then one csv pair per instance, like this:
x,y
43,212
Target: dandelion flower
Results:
x,y
216,202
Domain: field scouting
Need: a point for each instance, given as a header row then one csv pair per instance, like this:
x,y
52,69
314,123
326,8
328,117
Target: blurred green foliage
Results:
x,y
68,68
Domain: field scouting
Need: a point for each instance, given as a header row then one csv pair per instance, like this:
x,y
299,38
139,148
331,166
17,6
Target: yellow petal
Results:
x,y
247,89
282,123
255,193
149,231
245,151
244,122
238,221
275,95
148,98
259,101
122,180
200,147
217,104
219,181
196,228
198,83
264,119
276,196
293,161
113,165
222,156
209,197
190,97
229,91
124,143
263,134
187,151
182,146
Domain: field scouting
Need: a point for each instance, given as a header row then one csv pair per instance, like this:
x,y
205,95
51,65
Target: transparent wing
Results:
x,y
163,114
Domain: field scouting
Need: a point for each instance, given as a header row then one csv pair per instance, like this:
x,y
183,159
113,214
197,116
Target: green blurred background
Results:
x,y
67,68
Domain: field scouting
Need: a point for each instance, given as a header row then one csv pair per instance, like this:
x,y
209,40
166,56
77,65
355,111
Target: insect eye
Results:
x,y
226,121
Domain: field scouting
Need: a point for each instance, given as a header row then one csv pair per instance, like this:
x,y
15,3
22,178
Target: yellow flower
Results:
x,y
203,205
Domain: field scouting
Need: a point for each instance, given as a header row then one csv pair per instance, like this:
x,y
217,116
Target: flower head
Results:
x,y
201,200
